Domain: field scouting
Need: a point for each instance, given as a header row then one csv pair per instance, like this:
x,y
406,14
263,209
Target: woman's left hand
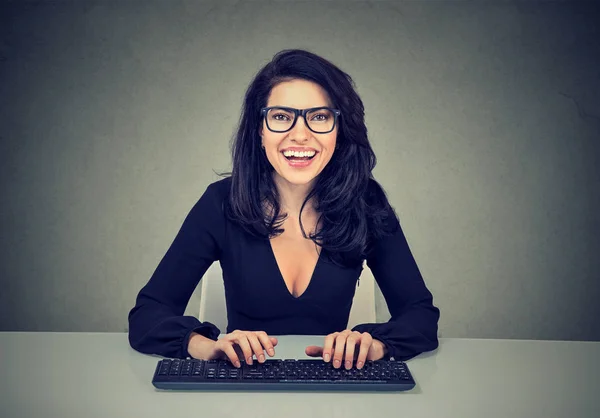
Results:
x,y
345,346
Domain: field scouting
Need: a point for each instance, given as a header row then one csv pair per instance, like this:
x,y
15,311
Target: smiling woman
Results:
x,y
291,226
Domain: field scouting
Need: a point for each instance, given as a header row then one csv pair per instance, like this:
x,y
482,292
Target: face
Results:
x,y
298,94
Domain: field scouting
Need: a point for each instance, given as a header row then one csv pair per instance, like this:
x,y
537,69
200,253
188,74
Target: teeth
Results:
x,y
299,154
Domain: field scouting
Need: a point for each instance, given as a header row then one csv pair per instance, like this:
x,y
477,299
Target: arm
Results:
x,y
413,326
156,323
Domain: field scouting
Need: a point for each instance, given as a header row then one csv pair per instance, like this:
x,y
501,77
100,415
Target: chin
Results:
x,y
298,179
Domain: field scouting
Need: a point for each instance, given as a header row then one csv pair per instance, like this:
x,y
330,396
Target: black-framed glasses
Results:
x,y
320,120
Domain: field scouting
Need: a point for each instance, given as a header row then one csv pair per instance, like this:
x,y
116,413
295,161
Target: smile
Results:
x,y
299,159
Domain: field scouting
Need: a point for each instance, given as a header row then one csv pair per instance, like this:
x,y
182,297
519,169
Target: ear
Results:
x,y
260,133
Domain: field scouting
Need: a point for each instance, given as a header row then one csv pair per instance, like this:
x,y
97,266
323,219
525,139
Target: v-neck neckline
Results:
x,y
282,279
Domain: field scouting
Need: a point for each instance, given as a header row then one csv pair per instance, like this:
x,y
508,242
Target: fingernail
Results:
x,y
261,358
249,360
359,365
271,352
237,364
336,363
348,365
326,357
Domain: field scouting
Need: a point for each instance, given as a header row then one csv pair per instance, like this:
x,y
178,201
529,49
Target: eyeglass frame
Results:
x,y
301,112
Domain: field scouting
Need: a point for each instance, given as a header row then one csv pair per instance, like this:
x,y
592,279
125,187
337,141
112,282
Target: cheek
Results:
x,y
271,148
272,155
330,143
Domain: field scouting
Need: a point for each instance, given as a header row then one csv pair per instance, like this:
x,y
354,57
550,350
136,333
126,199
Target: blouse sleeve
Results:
x,y
156,323
413,326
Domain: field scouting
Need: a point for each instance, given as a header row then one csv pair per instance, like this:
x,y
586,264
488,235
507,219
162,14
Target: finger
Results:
x,y
328,346
351,342
229,351
274,341
242,342
338,353
366,342
265,341
314,351
257,347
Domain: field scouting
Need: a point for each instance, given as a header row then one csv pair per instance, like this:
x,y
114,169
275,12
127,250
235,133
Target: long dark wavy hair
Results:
x,y
352,206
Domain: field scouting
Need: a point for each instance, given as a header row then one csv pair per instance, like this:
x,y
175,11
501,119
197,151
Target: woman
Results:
x,y
291,228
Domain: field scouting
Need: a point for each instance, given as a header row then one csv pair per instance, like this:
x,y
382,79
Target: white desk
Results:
x,y
88,375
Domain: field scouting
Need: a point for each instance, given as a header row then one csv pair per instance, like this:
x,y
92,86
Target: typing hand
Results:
x,y
347,340
245,344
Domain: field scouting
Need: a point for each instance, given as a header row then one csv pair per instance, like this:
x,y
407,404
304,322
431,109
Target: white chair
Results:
x,y
212,299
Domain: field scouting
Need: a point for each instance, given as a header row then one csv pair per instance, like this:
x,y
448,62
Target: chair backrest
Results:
x,y
212,298
213,309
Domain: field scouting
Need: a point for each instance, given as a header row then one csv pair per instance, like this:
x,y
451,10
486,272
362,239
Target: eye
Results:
x,y
280,116
320,117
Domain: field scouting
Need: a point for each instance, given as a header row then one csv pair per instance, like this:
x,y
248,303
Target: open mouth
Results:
x,y
299,156
300,159
293,158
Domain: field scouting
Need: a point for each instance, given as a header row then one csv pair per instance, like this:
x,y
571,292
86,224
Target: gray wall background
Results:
x,y
485,117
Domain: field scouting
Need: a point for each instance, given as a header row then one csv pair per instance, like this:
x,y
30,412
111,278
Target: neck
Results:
x,y
291,196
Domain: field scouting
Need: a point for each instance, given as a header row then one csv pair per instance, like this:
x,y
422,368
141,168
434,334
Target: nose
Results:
x,y
300,131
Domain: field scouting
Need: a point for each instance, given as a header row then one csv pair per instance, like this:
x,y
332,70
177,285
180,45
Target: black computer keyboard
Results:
x,y
381,375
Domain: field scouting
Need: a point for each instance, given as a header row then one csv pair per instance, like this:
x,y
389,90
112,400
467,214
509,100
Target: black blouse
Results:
x,y
257,298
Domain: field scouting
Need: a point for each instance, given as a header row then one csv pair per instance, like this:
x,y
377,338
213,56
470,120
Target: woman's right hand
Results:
x,y
235,346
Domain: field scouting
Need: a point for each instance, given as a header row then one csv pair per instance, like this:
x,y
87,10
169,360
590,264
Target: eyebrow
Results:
x,y
290,107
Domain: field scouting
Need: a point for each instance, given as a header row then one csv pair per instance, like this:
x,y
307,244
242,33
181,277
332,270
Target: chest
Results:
x,y
269,277
297,259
